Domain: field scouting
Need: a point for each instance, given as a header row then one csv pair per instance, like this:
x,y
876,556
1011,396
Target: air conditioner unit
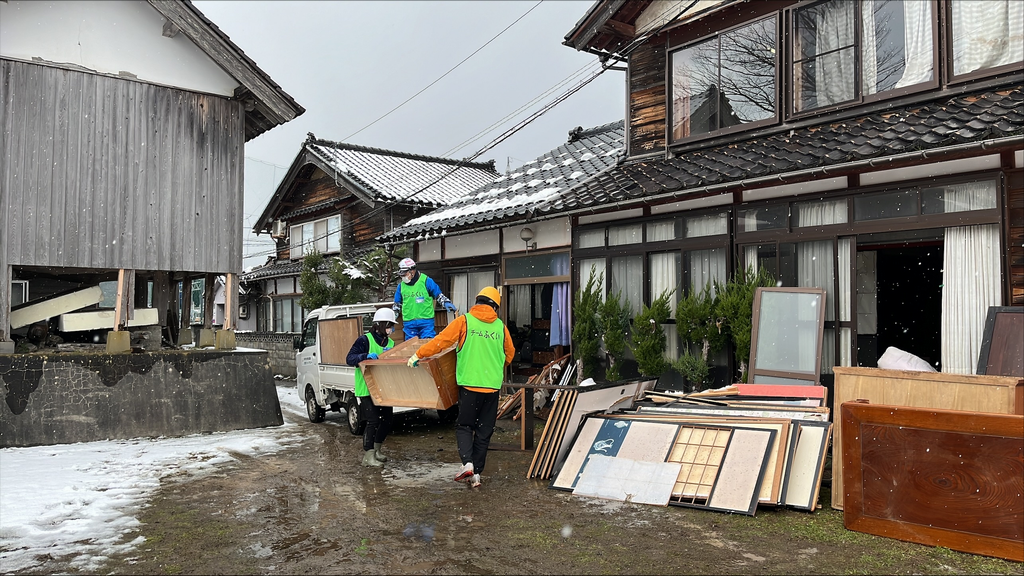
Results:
x,y
280,229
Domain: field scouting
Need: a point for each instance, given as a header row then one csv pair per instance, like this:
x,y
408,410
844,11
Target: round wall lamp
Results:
x,y
526,235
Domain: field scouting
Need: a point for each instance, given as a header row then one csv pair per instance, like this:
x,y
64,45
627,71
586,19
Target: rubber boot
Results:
x,y
369,460
378,454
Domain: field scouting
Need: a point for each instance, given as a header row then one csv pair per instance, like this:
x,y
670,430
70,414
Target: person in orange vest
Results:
x,y
378,418
484,349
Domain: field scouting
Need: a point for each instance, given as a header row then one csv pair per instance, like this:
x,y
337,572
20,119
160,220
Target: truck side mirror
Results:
x,y
297,343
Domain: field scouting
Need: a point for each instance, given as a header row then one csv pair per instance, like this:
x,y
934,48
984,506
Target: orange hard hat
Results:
x,y
492,293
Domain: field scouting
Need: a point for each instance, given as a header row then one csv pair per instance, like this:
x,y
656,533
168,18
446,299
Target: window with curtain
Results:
x,y
705,268
726,81
894,40
288,315
466,285
665,276
625,271
597,266
622,235
986,34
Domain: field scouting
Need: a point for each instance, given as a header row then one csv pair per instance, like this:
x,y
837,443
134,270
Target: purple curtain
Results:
x,y
560,332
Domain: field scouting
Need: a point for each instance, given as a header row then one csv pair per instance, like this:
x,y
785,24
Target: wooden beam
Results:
x,y
124,307
620,28
5,294
230,301
208,300
610,8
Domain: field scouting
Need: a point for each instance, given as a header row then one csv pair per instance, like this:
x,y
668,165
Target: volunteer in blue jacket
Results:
x,y
414,300
378,418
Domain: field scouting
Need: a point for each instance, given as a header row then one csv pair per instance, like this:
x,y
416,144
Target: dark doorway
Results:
x,y
908,284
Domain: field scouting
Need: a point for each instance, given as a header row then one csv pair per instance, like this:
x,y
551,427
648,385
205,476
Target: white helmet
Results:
x,y
406,264
384,315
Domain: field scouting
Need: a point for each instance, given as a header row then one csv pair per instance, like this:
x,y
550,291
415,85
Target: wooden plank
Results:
x,y
1002,347
972,393
742,471
935,477
104,320
429,385
55,306
806,465
558,438
124,306
336,338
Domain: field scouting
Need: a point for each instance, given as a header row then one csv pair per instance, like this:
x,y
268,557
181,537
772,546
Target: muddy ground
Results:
x,y
312,509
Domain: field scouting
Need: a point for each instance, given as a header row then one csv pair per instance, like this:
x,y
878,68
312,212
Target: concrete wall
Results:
x,y
64,397
278,346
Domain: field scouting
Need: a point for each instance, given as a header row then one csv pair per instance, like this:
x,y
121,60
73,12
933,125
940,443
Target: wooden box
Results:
x,y
935,477
429,385
992,394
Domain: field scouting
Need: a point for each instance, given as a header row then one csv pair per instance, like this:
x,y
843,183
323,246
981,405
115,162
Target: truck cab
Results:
x,y
324,380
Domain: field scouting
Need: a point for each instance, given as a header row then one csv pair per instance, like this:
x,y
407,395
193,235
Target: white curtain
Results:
x,y
460,291
707,225
750,258
834,72
665,276
626,275
519,311
917,38
970,284
618,235
845,308
707,267
822,213
814,268
560,303
868,48
659,231
597,265
986,34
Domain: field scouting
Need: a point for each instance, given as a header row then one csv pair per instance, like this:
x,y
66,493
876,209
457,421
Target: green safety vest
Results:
x,y
480,363
361,389
417,303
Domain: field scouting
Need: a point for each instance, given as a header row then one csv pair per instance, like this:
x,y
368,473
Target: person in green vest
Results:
x,y
378,418
414,300
484,349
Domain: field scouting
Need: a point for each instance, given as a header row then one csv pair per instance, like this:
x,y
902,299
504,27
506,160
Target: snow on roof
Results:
x,y
518,192
391,175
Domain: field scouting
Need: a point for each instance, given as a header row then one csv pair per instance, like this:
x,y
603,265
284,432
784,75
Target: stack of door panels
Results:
x,y
728,450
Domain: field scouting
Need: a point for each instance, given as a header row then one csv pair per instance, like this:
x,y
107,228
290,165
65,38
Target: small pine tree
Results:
x,y
586,329
736,310
614,319
698,326
344,283
381,266
648,338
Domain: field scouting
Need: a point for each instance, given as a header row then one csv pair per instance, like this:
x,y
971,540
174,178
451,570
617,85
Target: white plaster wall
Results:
x,y
478,244
660,10
547,234
429,250
109,37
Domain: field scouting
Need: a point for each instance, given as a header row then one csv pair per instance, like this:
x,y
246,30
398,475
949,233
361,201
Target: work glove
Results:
x,y
450,307
414,361
371,356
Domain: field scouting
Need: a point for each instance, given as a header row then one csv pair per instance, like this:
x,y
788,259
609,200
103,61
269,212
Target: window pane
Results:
x,y
707,225
665,275
820,213
334,234
695,89
986,34
597,265
748,74
626,270
591,239
890,205
664,230
959,198
320,235
459,293
824,71
295,241
897,46
539,266
704,268
764,218
764,256
619,235
477,282
787,332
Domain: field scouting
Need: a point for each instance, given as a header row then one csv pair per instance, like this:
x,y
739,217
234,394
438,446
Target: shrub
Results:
x,y
614,318
648,339
736,308
586,328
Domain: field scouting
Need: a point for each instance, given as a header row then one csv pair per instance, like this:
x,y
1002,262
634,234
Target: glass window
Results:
x,y
465,287
19,292
295,241
820,213
959,198
986,34
597,265
764,218
626,270
334,234
704,268
320,235
309,333
663,230
726,81
824,54
590,239
629,234
897,44
887,205
537,266
788,336
707,225
665,274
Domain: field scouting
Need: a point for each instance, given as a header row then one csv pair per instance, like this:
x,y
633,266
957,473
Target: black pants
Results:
x,y
378,421
474,426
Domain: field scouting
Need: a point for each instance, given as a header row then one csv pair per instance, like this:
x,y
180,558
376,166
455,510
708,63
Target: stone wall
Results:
x,y
278,346
61,398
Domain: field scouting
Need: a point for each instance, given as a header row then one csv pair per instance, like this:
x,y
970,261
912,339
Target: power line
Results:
x,y
407,100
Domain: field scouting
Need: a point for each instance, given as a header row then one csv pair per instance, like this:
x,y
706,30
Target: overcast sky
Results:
x,y
350,62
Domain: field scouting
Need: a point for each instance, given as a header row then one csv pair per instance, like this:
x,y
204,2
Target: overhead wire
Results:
x,y
624,53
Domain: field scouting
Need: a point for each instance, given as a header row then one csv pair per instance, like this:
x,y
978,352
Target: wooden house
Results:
x,y
870,148
336,199
122,132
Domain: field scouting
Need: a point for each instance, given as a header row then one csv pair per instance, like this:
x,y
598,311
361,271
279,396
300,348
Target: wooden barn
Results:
x,y
122,131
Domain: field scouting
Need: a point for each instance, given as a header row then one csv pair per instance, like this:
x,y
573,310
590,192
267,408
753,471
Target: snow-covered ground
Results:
x,y
76,502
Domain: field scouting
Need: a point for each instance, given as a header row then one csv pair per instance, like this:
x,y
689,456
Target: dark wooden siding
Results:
x,y
101,172
1015,239
647,104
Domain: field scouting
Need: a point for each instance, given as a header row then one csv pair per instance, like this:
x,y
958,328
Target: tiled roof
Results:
x,y
398,176
965,119
533,184
274,269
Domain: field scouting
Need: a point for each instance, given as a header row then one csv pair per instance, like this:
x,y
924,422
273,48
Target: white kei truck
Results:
x,y
324,381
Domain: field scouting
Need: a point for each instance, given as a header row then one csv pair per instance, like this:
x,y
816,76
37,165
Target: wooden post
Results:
x,y
208,300
230,301
185,321
124,308
6,345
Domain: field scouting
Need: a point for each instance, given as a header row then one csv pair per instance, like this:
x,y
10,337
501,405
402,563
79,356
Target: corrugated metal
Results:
x,y
101,172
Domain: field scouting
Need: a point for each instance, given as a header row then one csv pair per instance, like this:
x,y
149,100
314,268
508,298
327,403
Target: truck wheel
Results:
x,y
355,425
313,410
